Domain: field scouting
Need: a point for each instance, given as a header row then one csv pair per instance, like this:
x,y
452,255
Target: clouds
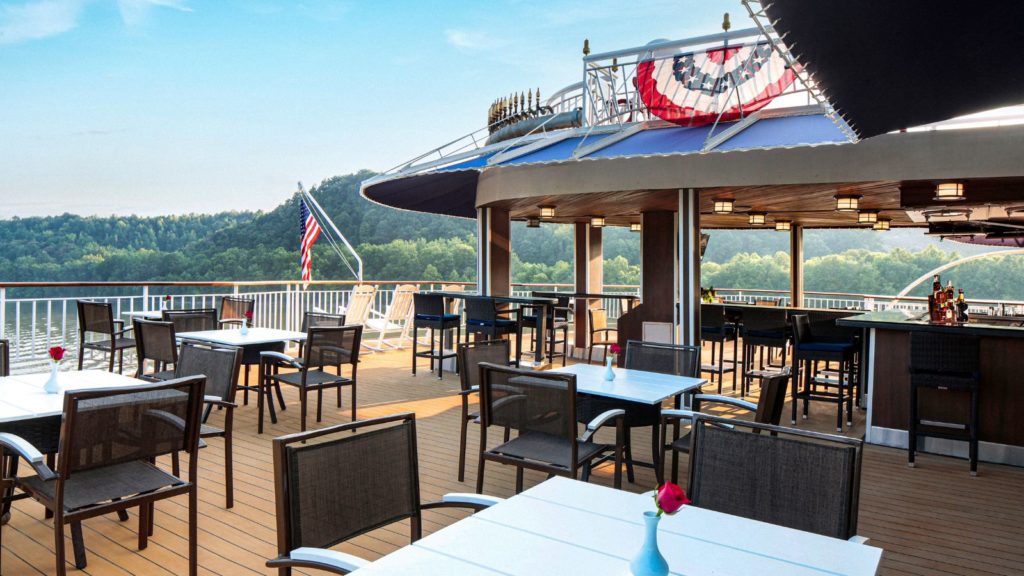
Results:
x,y
38,19
31,20
471,39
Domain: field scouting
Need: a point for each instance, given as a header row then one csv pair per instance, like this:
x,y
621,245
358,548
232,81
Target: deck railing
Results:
x,y
37,315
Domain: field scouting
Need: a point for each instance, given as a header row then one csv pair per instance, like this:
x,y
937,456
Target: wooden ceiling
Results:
x,y
813,206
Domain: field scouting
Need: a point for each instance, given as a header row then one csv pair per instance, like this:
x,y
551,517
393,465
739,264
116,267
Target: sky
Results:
x,y
178,106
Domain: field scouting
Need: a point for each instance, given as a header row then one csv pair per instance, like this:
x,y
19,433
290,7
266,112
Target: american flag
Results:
x,y
309,232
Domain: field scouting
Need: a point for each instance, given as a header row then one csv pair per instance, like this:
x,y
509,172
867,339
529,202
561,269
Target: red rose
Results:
x,y
167,298
248,314
57,353
670,498
615,348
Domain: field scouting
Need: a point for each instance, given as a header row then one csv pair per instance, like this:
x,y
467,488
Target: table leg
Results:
x,y
657,448
539,335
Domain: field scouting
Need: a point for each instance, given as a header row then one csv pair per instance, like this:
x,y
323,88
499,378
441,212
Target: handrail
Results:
x,y
218,283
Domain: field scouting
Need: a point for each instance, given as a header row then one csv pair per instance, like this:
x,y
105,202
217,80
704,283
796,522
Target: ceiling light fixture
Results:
x,y
783,225
597,222
867,217
949,192
756,218
724,205
847,202
533,222
635,227
882,224
947,213
547,211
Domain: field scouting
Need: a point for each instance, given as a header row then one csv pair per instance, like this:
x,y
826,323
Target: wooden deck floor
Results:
x,y
934,519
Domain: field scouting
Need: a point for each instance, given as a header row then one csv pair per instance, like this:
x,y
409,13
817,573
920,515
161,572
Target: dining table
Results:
x,y
565,526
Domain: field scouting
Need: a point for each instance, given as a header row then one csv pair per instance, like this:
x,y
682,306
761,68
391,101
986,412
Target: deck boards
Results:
x,y
934,519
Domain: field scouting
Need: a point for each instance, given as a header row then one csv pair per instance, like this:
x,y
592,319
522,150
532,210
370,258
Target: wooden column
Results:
x,y
689,267
494,248
588,259
796,266
657,277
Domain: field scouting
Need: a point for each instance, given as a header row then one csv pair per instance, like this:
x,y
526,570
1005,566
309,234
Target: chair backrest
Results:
x,y
220,365
712,316
360,303
529,402
764,322
340,485
155,340
562,303
598,319
673,359
108,426
794,478
5,358
401,303
332,345
235,307
482,309
772,397
195,320
428,304
801,329
824,327
952,354
470,355
318,319
95,317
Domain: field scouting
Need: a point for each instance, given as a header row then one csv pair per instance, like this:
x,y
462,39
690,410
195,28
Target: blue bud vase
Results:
x,y
245,328
52,386
649,561
609,374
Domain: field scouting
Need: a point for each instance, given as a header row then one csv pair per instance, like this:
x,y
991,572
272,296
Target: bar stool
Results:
x,y
946,363
483,317
717,329
559,317
808,351
763,330
429,313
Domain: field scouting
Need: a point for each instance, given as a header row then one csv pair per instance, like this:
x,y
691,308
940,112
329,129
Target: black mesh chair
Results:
x,y
320,319
469,358
155,341
541,408
799,479
109,440
98,318
220,366
331,485
944,365
325,346
430,313
483,318
671,359
558,320
764,331
195,320
768,410
716,328
808,350
235,309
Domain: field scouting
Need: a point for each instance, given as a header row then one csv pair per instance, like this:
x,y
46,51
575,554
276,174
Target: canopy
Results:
x,y
893,65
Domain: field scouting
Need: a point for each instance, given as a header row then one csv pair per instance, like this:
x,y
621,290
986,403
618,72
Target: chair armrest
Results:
x,y
473,390
677,414
858,540
280,358
30,453
601,420
476,502
319,558
217,401
735,402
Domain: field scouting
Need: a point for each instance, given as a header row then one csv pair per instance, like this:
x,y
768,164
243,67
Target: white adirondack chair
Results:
x,y
397,317
359,304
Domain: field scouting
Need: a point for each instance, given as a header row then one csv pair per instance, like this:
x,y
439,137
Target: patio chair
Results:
x,y
470,356
233,310
483,318
808,349
194,320
98,318
541,408
319,319
600,333
558,319
220,366
155,341
109,440
396,317
325,346
331,485
770,476
763,330
716,328
768,410
653,357
360,303
945,365
430,314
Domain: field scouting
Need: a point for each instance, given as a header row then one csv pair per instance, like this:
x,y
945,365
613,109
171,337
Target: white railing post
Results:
x,y
3,312
289,307
145,298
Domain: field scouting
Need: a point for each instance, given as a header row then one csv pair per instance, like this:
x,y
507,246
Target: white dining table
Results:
x,y
22,396
630,385
564,526
234,336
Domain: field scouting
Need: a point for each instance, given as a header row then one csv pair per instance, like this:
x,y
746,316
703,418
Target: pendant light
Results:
x,y
847,202
723,205
867,217
547,211
949,192
756,218
783,225
597,222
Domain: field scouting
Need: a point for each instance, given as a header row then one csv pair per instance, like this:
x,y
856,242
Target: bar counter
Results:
x,y
1001,396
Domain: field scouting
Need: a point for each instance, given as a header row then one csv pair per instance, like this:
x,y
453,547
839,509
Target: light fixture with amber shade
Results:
x,y
533,222
949,192
635,227
756,218
867,216
547,211
783,225
723,205
597,222
882,224
847,202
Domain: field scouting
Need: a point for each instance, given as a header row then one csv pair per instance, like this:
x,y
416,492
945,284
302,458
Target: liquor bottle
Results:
x,y
961,307
935,300
950,292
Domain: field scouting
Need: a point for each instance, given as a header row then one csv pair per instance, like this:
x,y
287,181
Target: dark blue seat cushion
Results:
x,y
435,317
499,323
780,334
727,331
835,347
